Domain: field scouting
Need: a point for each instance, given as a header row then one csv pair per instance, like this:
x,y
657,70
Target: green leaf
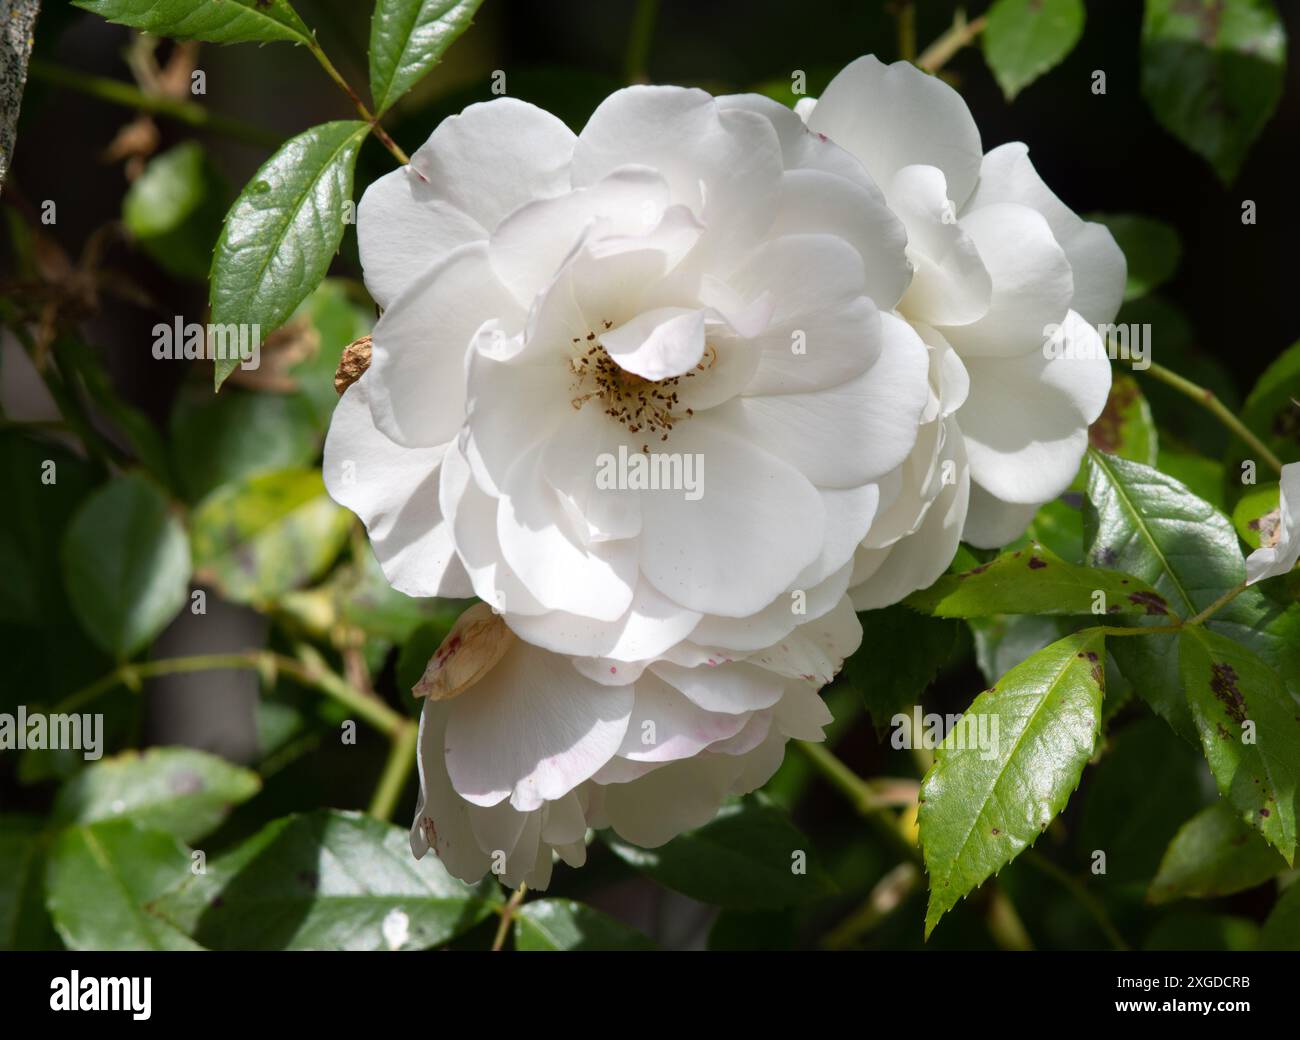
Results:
x,y
1282,929
1035,580
1125,426
745,858
1025,38
1257,512
1150,246
1143,523
1249,729
222,21
1134,831
1058,524
44,484
562,924
1272,411
174,208
222,439
325,880
407,39
283,230
126,564
982,806
267,535
24,924
179,791
889,682
99,878
1201,476
1212,72
1213,854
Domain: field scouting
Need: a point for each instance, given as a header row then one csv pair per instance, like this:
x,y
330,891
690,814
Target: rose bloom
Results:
x,y
1280,542
1009,286
523,749
691,277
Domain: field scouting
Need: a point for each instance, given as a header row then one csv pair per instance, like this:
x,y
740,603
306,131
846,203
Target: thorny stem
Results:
x,y
1209,400
962,33
507,914
130,96
364,112
1089,902
638,43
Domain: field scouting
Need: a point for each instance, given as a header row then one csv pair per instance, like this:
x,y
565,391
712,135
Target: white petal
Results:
x,y
673,798
658,344
666,726
992,523
758,523
731,689
1032,284
441,814
420,342
395,492
532,729
1098,265
1026,419
895,116
774,622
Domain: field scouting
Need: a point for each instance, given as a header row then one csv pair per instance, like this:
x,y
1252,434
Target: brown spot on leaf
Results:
x,y
1223,684
1035,564
1150,601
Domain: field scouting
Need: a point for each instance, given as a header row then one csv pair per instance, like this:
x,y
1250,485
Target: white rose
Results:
x,y
524,749
1279,547
1002,266
699,278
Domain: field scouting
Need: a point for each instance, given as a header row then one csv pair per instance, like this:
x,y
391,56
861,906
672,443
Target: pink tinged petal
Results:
x,y
666,726
1026,419
395,492
498,155
420,343
891,116
531,730
658,344
761,764
650,627
992,523
730,551
815,651
677,797
951,285
472,515
529,246
1098,265
731,689
1032,284
813,201
753,733
620,771
538,543
442,817
403,227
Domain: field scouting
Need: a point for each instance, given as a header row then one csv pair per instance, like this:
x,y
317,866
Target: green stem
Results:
x,y
1089,902
309,669
116,92
362,110
507,913
1207,399
1214,607
889,893
865,797
906,12
961,34
397,770
638,44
